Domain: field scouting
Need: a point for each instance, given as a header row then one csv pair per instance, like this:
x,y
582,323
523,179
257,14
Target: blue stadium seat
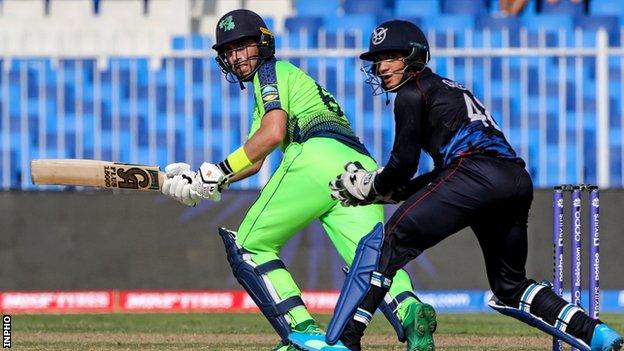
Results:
x,y
616,164
457,23
346,39
606,7
437,28
417,8
178,42
497,22
593,23
375,7
563,7
358,25
198,42
317,8
496,39
548,22
296,26
472,7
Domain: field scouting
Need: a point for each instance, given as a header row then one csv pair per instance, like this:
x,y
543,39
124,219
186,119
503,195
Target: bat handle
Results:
x,y
161,179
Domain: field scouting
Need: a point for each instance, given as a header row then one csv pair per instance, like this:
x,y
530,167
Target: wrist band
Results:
x,y
238,160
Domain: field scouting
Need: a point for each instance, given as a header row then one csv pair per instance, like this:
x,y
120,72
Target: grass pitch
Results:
x,y
251,332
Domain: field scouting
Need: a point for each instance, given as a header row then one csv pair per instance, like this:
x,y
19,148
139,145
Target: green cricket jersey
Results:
x,y
312,111
319,143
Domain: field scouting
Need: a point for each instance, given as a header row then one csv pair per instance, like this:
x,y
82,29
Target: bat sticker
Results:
x,y
130,178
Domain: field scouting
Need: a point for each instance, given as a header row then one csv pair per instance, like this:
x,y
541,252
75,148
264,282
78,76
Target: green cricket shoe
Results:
x,y
308,326
419,325
284,347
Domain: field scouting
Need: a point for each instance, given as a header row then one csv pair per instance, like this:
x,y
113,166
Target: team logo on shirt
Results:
x,y
453,84
269,93
379,35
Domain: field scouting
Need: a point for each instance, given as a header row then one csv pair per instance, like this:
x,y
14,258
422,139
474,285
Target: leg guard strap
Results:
x,y
253,279
529,294
362,316
266,267
357,284
394,304
565,316
380,280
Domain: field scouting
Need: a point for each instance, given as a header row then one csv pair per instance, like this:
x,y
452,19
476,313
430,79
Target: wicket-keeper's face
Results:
x,y
242,55
390,68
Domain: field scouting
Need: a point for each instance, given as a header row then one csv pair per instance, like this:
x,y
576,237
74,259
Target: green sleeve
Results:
x,y
255,122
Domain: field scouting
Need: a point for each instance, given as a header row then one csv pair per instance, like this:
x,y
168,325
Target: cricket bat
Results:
x,y
101,174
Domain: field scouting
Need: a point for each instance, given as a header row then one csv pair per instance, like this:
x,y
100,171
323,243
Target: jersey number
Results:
x,y
329,101
477,112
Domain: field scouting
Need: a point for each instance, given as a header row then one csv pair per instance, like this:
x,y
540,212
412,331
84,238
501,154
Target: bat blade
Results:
x,y
93,173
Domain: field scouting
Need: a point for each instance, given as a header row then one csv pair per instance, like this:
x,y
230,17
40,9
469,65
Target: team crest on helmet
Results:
x,y
379,35
227,23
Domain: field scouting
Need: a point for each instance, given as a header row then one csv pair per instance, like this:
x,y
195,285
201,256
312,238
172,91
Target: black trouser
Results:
x,y
490,195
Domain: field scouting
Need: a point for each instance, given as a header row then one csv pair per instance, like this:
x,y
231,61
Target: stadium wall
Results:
x,y
101,240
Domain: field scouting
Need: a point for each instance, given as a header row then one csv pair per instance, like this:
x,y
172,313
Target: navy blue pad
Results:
x,y
357,284
250,277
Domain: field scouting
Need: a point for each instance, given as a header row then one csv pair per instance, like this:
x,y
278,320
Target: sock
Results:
x,y
352,335
354,330
298,315
403,307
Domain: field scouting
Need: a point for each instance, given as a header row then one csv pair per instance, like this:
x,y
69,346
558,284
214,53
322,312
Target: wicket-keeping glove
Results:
x,y
355,187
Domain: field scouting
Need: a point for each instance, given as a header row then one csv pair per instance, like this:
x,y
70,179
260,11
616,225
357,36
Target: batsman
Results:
x,y
478,181
295,113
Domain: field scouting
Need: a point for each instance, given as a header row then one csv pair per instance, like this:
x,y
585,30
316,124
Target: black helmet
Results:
x,y
239,24
242,23
398,35
393,36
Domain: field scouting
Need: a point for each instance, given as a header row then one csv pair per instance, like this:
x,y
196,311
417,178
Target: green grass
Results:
x,y
252,332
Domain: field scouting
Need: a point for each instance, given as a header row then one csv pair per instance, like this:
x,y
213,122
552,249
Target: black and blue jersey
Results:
x,y
445,120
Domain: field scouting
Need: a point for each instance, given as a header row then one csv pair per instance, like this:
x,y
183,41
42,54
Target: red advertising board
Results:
x,y
147,301
57,301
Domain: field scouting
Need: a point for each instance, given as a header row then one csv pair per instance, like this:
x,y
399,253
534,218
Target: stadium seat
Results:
x,y
297,26
374,7
606,7
447,23
317,8
346,39
472,7
357,25
552,22
497,23
456,23
563,7
418,8
496,26
593,23
437,29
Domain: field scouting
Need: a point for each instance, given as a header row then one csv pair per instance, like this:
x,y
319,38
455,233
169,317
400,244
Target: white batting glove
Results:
x,y
209,181
178,184
190,187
